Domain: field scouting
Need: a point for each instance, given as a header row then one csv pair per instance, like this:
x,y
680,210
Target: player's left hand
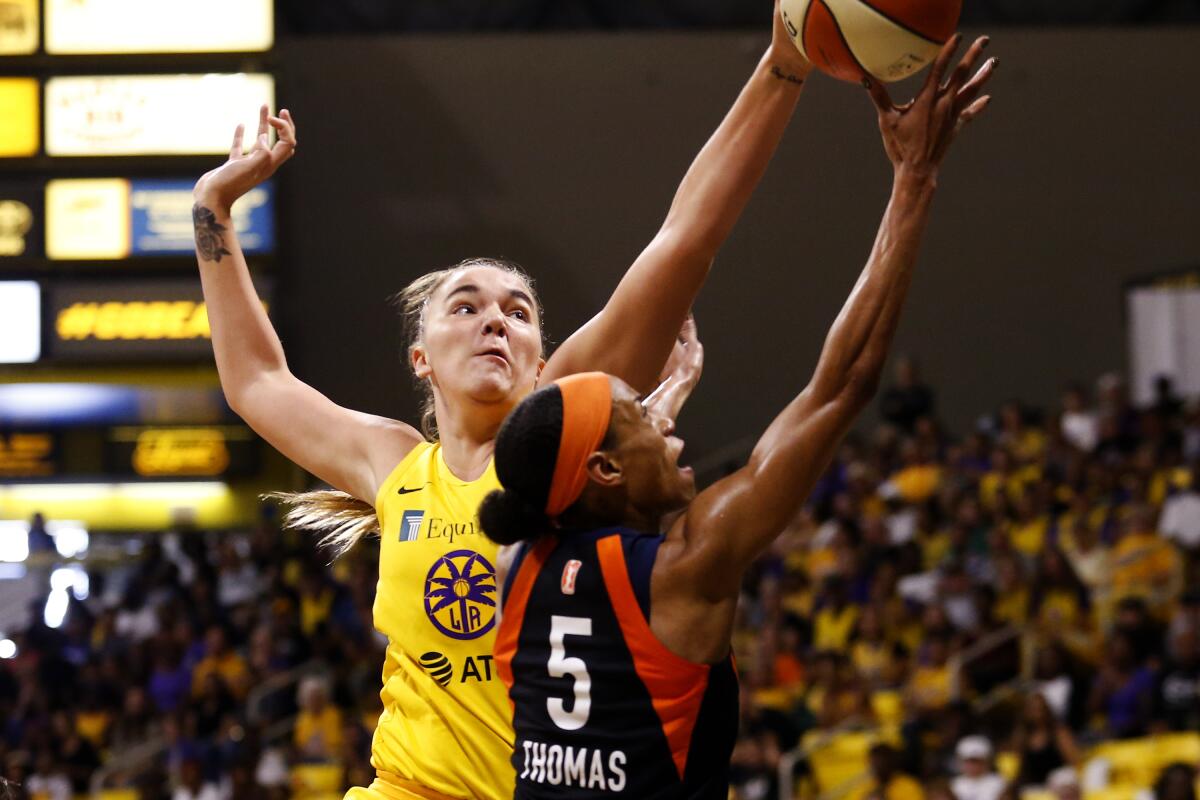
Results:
x,y
681,373
918,134
686,362
784,52
243,171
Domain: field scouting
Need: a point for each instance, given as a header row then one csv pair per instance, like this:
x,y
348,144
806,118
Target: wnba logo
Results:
x,y
438,667
460,595
569,574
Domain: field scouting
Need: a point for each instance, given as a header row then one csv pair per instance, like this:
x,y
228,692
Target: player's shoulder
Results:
x,y
399,450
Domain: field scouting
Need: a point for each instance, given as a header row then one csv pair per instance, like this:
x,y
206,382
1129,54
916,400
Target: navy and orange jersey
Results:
x,y
601,707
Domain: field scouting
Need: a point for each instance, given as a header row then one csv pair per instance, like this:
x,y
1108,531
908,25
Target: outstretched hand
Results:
x,y
681,373
244,170
918,134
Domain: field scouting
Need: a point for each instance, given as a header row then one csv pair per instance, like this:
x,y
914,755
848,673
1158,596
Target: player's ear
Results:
x,y
604,469
419,362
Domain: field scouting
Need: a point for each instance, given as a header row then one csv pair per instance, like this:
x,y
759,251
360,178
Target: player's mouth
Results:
x,y
494,354
676,446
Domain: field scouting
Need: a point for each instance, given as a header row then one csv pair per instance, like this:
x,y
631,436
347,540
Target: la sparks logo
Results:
x,y
460,595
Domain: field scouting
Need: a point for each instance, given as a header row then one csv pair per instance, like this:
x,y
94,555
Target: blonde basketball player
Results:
x,y
476,346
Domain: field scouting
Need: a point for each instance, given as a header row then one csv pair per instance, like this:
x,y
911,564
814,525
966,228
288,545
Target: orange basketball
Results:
x,y
890,39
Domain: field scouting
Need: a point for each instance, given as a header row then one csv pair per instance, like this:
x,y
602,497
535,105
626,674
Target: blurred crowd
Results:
x,y
986,607
167,676
1005,598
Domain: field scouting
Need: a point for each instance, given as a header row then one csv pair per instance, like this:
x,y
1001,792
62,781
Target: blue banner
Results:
x,y
161,213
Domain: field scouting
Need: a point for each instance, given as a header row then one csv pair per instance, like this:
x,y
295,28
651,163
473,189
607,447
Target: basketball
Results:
x,y
889,39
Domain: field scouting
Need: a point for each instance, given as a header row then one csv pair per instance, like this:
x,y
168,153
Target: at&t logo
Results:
x,y
438,667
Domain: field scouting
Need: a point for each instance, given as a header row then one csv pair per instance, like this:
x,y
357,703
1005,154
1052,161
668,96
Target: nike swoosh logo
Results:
x,y
402,490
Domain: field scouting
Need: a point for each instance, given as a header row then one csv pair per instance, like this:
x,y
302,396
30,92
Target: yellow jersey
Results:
x,y
446,723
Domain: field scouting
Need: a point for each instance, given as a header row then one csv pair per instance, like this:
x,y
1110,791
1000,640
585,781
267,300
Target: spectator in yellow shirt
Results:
x,y
931,687
1060,600
918,479
1090,559
318,734
1145,564
1012,591
316,601
870,652
222,660
1028,530
835,621
887,781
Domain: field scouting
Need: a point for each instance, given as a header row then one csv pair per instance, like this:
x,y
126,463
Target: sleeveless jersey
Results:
x,y
446,723
601,707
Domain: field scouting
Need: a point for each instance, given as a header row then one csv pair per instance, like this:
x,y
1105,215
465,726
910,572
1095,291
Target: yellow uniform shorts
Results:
x,y
387,786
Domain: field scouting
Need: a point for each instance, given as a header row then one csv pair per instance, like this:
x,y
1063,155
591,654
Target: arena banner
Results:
x,y
182,452
22,221
104,27
117,321
116,218
19,112
19,27
162,218
28,454
148,115
20,322
87,219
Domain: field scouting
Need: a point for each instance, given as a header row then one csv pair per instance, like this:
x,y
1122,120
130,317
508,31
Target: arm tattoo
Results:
x,y
209,243
778,73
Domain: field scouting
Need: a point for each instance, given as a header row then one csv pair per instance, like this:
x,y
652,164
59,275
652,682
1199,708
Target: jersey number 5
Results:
x,y
560,666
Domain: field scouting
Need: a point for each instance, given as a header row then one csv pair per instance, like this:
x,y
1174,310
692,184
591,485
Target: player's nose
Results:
x,y
494,322
665,425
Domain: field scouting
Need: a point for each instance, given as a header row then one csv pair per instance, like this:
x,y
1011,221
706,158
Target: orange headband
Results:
x,y
587,407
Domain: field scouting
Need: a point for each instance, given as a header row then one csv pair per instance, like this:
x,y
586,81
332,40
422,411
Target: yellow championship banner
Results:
x,y
180,451
104,27
27,455
87,218
152,115
18,27
135,320
19,117
194,451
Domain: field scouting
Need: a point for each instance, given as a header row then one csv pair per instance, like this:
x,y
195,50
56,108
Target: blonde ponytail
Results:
x,y
341,520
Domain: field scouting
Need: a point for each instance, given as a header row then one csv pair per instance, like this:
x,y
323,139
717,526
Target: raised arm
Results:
x,y
322,437
633,334
729,524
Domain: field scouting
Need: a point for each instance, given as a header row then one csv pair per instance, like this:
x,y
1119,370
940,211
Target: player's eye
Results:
x,y
463,308
519,314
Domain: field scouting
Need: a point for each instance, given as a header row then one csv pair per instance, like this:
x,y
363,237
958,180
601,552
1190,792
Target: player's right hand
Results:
x,y
917,134
219,188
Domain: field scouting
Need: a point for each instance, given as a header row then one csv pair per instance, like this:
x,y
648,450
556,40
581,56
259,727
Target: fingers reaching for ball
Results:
x,y
879,94
934,78
967,95
917,135
972,111
959,76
